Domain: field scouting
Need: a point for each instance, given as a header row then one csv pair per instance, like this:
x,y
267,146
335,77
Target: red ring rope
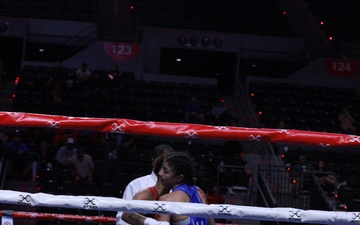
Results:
x,y
67,217
167,129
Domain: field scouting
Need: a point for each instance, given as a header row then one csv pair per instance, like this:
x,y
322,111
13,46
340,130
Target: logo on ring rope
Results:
x,y
222,128
253,138
90,203
160,207
53,124
355,217
284,131
24,200
295,215
190,134
115,128
324,145
354,138
224,210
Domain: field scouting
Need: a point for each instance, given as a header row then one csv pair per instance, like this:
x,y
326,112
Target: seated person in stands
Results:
x,y
63,155
232,158
83,166
15,153
83,73
221,114
327,179
301,175
3,138
70,81
193,111
347,122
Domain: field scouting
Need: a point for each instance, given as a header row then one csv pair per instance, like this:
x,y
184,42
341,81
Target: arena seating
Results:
x,y
74,10
341,19
303,107
237,16
132,99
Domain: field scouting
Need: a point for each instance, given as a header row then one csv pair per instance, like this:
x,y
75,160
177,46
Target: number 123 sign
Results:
x,y
121,51
342,68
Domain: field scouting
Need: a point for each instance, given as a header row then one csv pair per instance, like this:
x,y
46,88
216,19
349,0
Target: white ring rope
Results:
x,y
178,208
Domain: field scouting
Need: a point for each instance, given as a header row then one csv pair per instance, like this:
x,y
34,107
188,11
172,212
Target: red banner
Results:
x,y
342,68
121,51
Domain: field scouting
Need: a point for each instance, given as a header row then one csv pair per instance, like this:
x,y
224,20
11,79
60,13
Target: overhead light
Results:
x,y
178,60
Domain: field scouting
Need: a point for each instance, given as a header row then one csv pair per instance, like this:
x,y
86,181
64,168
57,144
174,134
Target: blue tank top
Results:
x,y
191,191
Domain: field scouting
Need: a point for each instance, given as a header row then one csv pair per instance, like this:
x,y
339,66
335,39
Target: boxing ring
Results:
x,y
165,129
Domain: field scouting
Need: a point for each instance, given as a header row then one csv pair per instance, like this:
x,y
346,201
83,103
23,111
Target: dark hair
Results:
x,y
181,164
161,149
158,163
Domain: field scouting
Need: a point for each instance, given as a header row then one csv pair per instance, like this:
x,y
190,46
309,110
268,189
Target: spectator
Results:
x,y
2,141
34,136
347,122
47,155
57,91
97,80
58,71
70,81
63,155
193,111
221,114
145,181
52,90
47,89
83,73
110,168
62,135
15,154
281,124
301,175
215,196
116,69
279,147
232,156
327,179
114,74
303,166
83,166
41,157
